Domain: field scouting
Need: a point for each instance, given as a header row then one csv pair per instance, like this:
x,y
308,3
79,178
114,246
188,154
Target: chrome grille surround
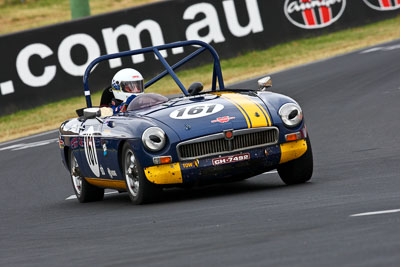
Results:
x,y
216,144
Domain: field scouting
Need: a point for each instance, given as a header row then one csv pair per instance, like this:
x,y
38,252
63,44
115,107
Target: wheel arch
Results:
x,y
120,148
67,157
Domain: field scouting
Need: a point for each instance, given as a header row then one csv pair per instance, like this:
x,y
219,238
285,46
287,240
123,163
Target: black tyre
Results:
x,y
84,191
140,190
298,171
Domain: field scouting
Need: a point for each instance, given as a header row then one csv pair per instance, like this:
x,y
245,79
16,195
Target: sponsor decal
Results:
x,y
74,143
230,159
383,5
104,149
314,14
90,151
187,165
102,170
223,119
191,164
111,173
196,111
61,143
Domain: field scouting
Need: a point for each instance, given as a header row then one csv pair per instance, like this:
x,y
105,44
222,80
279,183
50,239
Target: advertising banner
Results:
x,y
47,64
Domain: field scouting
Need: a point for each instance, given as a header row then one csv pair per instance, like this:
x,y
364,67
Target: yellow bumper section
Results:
x,y
293,150
164,174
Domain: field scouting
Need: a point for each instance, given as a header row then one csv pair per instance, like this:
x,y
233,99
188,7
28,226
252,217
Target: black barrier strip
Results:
x,y
175,66
217,74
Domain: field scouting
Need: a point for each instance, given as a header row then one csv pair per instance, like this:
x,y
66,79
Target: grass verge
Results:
x,y
17,15
246,66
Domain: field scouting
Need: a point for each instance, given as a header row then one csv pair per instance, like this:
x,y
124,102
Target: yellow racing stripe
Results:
x,y
255,114
240,108
106,183
263,110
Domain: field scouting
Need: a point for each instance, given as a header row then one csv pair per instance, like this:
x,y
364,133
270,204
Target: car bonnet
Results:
x,y
196,116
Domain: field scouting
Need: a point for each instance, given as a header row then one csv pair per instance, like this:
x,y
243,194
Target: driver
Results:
x,y
126,85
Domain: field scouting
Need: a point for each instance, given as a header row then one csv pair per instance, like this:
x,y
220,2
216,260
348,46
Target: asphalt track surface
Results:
x,y
351,105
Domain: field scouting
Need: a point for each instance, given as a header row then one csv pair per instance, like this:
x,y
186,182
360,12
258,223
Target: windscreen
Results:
x,y
146,100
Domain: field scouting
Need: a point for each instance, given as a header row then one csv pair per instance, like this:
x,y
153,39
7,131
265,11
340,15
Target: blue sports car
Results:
x,y
192,139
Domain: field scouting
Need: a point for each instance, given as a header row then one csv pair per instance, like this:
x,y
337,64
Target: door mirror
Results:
x,y
91,113
265,83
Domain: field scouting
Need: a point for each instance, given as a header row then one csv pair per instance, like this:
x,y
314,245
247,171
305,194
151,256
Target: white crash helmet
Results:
x,y
127,82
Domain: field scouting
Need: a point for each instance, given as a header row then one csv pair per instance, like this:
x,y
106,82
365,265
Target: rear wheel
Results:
x,y
140,190
298,171
84,191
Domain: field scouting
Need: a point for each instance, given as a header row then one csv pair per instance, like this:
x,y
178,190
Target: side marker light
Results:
x,y
162,160
293,136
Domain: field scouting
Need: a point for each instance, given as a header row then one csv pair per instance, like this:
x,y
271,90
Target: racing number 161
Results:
x,y
196,111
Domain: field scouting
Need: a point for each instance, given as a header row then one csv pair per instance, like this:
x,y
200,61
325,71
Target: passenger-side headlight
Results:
x,y
154,139
291,114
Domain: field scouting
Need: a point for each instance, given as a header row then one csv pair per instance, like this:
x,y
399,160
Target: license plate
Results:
x,y
230,159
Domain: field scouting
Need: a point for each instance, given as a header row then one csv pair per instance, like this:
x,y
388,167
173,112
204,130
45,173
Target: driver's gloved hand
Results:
x,y
124,107
113,102
116,102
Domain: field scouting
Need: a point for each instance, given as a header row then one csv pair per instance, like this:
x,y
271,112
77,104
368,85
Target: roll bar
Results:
x,y
217,74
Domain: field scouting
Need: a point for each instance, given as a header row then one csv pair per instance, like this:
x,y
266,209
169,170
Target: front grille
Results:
x,y
217,144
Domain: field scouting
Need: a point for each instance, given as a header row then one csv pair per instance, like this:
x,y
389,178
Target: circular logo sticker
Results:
x,y
195,111
314,14
383,5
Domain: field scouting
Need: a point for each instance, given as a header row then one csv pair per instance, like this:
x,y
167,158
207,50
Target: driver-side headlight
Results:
x,y
154,139
291,115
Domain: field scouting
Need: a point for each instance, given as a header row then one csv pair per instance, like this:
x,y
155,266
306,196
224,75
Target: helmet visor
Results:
x,y
132,87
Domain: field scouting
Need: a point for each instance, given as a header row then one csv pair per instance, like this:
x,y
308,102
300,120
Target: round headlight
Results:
x,y
154,139
291,114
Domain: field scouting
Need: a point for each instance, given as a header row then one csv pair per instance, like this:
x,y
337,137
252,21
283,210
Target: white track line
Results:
x,y
29,145
357,51
375,213
106,193
28,137
270,172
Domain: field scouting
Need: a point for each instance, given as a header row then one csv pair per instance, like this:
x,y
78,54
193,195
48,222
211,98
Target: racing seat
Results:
x,y
107,97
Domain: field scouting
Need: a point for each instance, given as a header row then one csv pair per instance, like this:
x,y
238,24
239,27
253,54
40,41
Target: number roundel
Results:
x,y
90,151
196,111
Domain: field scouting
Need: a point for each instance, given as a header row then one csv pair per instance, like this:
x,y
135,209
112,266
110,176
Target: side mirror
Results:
x,y
195,88
91,113
265,83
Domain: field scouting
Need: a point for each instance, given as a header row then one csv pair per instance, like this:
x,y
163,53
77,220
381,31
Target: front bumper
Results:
x,y
241,165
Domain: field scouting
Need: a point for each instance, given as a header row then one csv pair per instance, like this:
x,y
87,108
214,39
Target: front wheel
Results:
x,y
140,190
298,171
84,191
